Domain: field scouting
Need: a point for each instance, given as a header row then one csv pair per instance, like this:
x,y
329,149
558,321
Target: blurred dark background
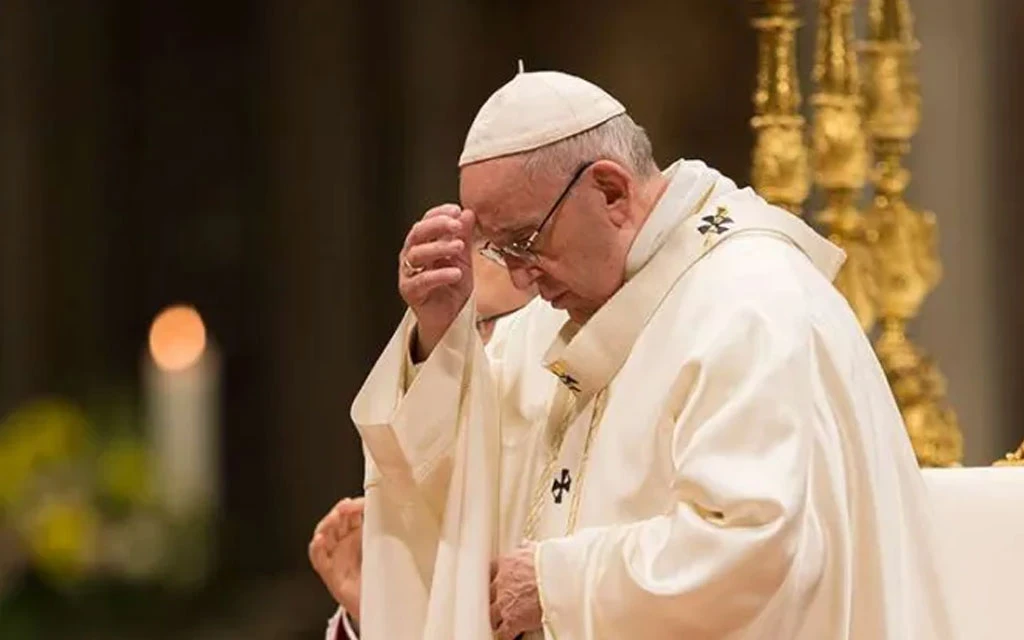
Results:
x,y
262,160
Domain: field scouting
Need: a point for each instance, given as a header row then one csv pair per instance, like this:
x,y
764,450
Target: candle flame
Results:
x,y
177,338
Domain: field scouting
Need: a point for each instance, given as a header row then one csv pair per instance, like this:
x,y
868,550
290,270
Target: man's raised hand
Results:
x,y
435,272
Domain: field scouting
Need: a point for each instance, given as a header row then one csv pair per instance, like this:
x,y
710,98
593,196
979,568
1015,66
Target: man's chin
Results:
x,y
569,304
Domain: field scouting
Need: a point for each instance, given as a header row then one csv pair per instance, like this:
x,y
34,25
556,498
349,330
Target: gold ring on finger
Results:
x,y
411,269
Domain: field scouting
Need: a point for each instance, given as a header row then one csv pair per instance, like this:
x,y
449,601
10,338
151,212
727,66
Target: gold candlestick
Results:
x,y
905,252
840,156
1015,459
780,171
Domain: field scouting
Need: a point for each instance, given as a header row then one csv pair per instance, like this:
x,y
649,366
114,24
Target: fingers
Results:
x,y
495,609
442,233
325,532
495,616
352,505
340,521
418,287
351,513
450,210
347,515
348,557
349,537
506,632
432,244
467,220
514,602
346,506
429,253
430,229
318,552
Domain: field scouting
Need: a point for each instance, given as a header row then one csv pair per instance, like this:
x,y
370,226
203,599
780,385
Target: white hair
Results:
x,y
618,139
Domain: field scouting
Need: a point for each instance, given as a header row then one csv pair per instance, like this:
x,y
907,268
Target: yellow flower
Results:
x,y
124,472
37,435
61,536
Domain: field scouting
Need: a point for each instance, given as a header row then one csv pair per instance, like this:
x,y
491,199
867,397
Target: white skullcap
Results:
x,y
533,110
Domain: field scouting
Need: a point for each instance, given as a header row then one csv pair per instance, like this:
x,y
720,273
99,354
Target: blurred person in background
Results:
x,y
335,550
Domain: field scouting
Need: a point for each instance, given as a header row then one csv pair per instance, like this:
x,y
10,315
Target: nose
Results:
x,y
523,276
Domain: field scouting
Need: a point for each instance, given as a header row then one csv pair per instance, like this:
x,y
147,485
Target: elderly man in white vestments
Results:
x,y
688,436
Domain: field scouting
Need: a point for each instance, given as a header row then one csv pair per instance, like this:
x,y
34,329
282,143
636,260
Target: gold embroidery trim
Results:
x,y
556,438
595,419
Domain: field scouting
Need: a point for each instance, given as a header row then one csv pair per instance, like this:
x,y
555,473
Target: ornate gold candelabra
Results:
x,y
840,155
780,158
892,262
1015,459
905,253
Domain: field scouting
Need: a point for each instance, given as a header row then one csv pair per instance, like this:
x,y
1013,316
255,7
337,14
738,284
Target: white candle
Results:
x,y
182,381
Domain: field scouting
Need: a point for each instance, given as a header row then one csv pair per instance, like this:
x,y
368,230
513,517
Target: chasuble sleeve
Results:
x,y
408,433
429,512
407,419
741,539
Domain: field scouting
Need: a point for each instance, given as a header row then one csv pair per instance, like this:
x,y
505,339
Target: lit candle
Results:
x,y
182,380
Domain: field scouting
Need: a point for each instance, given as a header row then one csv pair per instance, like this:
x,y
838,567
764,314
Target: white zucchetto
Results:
x,y
533,110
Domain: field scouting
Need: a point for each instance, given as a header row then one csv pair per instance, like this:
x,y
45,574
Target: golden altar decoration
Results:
x,y
1014,459
859,130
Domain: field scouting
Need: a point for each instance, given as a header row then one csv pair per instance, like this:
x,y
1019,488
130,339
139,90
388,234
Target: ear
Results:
x,y
616,186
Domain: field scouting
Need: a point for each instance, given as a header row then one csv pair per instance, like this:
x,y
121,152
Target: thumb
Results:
x,y
467,224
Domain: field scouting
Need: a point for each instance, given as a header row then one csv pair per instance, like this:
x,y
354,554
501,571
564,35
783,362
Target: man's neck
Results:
x,y
650,194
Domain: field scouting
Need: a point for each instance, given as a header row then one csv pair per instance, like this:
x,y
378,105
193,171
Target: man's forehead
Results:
x,y
491,180
499,192
496,226
497,229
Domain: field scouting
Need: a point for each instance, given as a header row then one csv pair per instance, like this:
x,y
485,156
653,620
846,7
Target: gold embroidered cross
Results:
x,y
561,486
558,368
715,225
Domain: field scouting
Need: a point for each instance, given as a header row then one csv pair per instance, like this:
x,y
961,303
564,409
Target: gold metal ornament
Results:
x,y
780,167
1015,459
905,250
892,263
840,155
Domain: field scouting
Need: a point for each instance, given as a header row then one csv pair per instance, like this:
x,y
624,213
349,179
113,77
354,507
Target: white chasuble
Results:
x,y
714,454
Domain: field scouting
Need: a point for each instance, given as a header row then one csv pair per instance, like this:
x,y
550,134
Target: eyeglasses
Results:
x,y
522,250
